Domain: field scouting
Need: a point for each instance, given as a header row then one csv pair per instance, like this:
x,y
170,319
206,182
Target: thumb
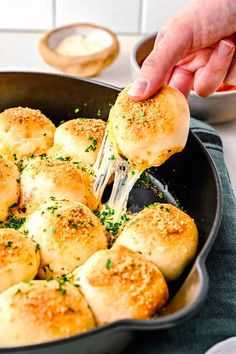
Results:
x,y
170,46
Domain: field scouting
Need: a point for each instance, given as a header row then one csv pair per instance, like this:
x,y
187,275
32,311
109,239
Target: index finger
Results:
x,y
169,48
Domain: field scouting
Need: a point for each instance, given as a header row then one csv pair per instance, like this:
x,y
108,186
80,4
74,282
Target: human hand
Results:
x,y
195,49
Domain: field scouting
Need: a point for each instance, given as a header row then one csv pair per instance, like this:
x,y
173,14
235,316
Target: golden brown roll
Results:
x,y
23,132
41,311
68,234
79,139
119,284
9,186
19,258
164,234
148,132
44,178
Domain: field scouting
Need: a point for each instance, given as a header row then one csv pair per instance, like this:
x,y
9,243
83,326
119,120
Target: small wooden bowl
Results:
x,y
81,65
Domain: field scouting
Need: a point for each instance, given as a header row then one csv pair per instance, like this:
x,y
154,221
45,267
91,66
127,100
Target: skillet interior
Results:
x,y
189,176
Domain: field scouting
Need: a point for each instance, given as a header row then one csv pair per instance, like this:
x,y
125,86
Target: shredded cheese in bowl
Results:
x,y
76,44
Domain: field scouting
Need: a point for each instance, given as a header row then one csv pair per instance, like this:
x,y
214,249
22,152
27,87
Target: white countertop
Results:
x,y
19,51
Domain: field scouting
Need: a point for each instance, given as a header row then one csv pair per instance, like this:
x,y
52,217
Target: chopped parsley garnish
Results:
x,y
61,158
113,227
37,247
77,110
93,145
108,264
155,316
178,205
76,285
13,223
62,121
142,114
63,279
8,243
153,204
124,217
112,157
75,226
106,218
145,179
62,291
52,208
62,282
49,279
19,164
131,118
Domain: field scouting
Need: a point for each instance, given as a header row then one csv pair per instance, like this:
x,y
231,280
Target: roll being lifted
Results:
x,y
140,135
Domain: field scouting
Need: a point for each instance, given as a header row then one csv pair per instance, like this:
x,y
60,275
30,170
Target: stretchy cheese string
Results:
x,y
109,162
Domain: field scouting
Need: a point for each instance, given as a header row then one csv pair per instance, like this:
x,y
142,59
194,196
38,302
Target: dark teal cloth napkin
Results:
x,y
216,319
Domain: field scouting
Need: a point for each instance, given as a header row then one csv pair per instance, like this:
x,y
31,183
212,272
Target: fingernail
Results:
x,y
225,48
139,87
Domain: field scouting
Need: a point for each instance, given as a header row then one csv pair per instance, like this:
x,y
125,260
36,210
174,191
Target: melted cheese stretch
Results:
x,y
109,162
104,167
123,184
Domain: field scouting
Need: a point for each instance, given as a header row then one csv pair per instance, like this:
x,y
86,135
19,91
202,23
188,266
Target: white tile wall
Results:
x,y
155,12
123,16
26,14
119,15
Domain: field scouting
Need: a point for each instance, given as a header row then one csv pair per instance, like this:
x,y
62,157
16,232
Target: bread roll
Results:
x,y
44,178
164,234
42,311
19,258
119,284
79,139
23,132
9,186
68,234
148,132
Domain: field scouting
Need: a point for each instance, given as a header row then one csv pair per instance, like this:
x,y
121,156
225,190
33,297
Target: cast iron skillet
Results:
x,y
191,176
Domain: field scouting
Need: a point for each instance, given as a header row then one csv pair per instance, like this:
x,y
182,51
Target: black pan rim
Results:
x,y
161,323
